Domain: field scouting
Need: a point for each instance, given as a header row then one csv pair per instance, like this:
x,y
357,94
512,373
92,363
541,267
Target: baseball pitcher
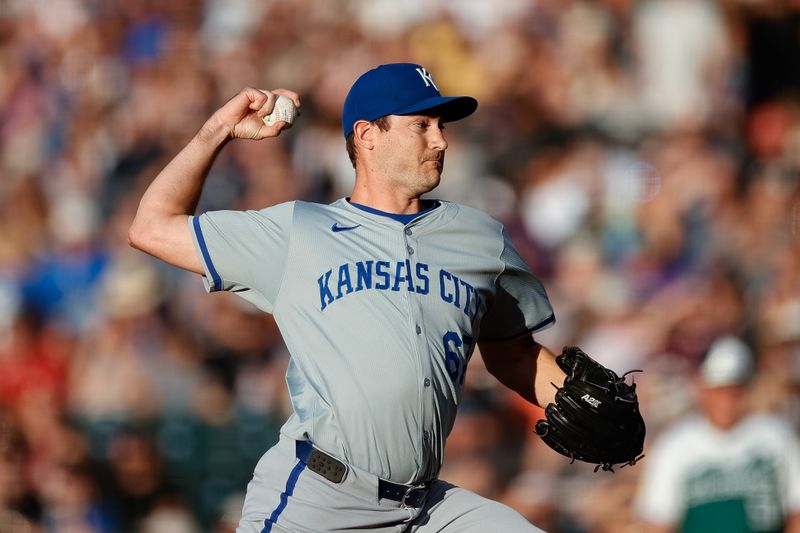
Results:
x,y
381,298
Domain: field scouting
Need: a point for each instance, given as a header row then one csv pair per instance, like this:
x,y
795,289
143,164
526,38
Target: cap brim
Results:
x,y
448,108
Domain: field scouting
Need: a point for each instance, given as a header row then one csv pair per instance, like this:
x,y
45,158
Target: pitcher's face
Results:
x,y
411,152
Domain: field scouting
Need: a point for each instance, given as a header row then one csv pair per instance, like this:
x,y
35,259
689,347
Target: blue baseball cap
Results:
x,y
400,89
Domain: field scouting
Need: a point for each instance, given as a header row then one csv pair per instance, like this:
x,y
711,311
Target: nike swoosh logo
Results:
x,y
336,228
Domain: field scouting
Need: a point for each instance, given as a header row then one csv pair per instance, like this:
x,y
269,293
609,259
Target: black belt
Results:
x,y
334,470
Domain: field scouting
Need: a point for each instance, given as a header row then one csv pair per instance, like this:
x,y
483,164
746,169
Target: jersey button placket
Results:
x,y
423,354
408,232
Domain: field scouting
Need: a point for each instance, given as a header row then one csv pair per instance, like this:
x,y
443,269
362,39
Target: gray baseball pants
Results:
x,y
285,496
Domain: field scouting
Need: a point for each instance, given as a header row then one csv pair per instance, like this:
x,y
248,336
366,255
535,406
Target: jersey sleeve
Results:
x,y
520,304
659,496
244,251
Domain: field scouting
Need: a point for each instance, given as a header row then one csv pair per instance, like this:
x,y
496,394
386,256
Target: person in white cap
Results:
x,y
724,469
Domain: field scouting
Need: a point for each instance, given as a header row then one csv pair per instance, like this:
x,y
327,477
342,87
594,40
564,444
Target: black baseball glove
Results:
x,y
595,417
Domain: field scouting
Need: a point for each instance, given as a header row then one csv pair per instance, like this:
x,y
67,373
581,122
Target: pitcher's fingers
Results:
x,y
274,130
267,101
291,94
255,97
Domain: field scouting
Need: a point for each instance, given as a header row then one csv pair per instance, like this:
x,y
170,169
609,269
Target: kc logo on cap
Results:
x,y
395,89
426,77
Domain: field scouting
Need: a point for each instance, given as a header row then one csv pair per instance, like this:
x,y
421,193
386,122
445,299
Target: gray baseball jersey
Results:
x,y
380,318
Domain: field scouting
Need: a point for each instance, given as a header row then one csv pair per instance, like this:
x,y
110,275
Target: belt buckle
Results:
x,y
409,490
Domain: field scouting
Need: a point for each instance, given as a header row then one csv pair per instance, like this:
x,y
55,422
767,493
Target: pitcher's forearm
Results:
x,y
177,188
548,377
159,227
524,366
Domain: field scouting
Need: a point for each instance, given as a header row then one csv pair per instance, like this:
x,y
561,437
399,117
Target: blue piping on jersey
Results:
x,y
546,322
215,279
304,448
403,219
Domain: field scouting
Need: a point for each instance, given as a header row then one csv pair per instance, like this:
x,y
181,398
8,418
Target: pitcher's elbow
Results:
x,y
132,242
137,235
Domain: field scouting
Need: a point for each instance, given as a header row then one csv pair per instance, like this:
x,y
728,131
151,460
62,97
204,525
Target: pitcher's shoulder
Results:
x,y
315,209
474,218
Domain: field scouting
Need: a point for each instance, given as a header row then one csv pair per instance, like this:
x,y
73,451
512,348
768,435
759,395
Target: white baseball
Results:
x,y
284,110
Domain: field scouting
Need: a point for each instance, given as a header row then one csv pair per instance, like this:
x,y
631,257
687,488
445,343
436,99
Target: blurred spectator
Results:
x,y
773,50
12,492
725,469
72,502
683,47
169,517
137,490
535,496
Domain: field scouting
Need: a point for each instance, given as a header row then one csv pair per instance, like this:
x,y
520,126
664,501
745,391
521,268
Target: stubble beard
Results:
x,y
419,179
431,178
428,181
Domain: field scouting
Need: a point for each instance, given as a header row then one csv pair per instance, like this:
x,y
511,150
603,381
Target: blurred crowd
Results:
x,y
645,156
